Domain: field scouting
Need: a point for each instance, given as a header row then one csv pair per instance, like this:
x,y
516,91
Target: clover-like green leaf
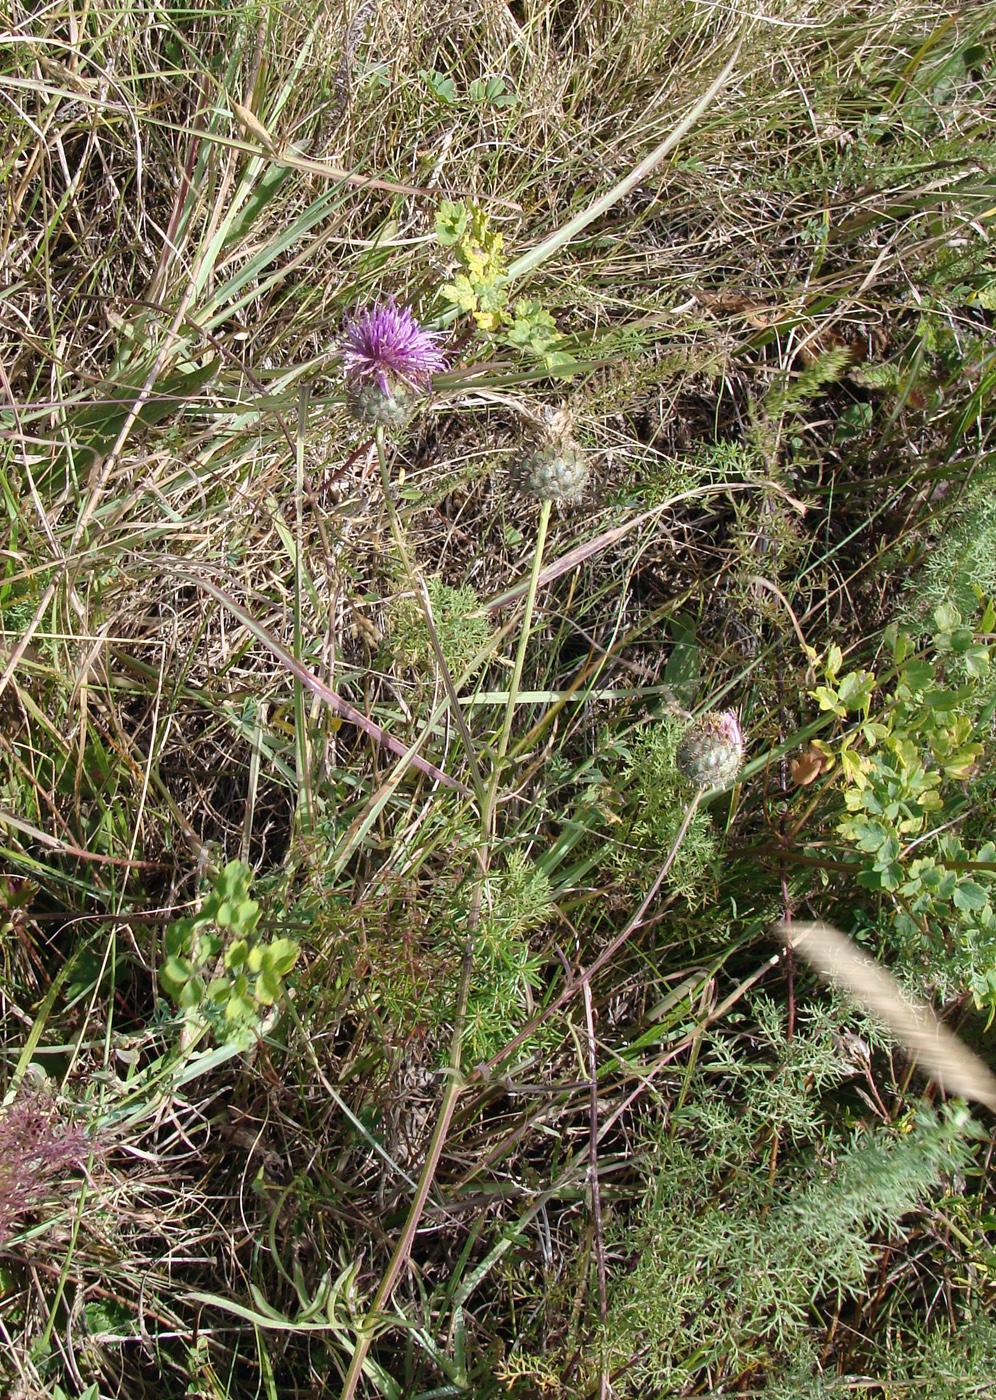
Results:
x,y
283,954
451,222
174,974
970,897
236,953
267,987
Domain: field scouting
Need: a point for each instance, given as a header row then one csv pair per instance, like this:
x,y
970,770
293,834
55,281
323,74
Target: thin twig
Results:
x,y
596,1190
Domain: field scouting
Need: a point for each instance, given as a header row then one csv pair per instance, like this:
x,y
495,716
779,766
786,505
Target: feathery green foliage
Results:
x,y
657,798
959,566
462,631
777,1210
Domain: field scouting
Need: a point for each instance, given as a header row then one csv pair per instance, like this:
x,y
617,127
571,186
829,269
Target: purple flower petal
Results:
x,y
729,726
386,342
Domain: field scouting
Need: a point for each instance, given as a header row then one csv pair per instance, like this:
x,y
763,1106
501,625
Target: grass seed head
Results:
x,y
36,1149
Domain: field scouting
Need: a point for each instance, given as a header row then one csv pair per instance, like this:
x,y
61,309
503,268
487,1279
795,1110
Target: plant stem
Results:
x,y
606,955
392,511
305,801
455,1081
517,669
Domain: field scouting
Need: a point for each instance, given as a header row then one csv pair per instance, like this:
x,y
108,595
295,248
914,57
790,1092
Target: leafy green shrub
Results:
x,y
917,734
219,971
480,288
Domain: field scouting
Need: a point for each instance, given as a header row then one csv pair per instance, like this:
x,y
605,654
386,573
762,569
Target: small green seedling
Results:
x,y
218,970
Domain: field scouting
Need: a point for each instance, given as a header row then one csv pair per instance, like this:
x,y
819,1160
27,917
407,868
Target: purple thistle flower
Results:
x,y
387,346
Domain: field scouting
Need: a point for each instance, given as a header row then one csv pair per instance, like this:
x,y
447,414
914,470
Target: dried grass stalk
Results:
x,y
939,1051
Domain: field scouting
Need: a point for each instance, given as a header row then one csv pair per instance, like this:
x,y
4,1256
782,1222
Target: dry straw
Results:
x,y
938,1050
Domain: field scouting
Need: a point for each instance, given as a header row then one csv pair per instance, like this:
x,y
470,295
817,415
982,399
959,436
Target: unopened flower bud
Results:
x,y
711,752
